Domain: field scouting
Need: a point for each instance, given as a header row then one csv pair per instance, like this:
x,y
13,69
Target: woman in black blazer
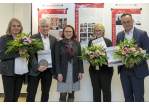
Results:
x,y
12,81
101,77
69,67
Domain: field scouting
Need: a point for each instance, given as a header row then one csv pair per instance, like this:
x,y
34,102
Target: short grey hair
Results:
x,y
43,20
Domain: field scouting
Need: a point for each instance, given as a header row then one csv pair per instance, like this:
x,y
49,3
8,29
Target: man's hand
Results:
x,y
42,68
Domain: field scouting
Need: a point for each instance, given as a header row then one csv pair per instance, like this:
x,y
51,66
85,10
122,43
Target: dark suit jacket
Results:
x,y
142,39
34,59
103,68
61,61
7,61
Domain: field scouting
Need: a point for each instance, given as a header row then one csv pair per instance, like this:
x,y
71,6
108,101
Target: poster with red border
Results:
x,y
116,20
83,5
57,19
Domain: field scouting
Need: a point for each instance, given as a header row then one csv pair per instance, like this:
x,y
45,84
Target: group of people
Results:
x,y
67,68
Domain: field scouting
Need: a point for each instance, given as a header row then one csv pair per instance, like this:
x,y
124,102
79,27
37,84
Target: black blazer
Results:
x,y
34,59
103,68
7,61
61,60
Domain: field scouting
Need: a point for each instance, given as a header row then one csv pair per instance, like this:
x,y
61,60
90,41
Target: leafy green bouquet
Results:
x,y
131,53
94,54
24,42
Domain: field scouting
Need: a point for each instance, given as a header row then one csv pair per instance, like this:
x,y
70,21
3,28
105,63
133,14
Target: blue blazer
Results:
x,y
142,39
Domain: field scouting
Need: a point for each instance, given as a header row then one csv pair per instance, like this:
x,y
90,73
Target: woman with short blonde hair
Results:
x,y
101,77
101,27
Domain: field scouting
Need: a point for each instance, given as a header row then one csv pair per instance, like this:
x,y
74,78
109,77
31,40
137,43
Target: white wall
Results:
x,y
22,12
4,20
6,11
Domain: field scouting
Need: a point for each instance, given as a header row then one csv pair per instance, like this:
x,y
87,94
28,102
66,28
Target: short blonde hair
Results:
x,y
43,20
8,31
101,27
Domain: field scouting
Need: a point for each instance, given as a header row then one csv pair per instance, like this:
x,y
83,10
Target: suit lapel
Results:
x,y
122,37
51,41
39,37
135,34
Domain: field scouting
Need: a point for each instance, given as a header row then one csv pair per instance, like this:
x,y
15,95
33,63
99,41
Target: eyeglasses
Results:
x,y
124,23
68,31
97,30
16,26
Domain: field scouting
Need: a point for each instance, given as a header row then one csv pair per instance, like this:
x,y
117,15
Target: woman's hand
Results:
x,y
107,58
80,76
22,51
94,64
60,77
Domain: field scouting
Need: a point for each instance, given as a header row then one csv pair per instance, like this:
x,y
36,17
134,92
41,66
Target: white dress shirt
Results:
x,y
46,42
130,35
47,56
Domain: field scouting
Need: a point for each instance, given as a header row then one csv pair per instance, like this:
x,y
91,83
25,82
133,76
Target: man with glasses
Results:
x,y
132,80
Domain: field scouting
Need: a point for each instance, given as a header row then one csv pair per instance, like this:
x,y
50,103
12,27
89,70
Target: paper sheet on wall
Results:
x,y
116,20
57,19
88,17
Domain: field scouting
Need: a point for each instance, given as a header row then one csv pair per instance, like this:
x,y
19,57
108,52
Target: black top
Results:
x,y
104,68
7,61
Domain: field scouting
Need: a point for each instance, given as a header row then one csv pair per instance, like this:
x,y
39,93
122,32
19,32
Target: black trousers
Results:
x,y
12,86
101,81
46,80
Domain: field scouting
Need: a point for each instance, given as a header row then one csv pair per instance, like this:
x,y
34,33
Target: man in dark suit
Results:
x,y
132,80
43,73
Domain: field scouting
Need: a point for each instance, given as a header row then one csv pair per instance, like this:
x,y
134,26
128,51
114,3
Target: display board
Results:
x,y
116,21
86,16
57,19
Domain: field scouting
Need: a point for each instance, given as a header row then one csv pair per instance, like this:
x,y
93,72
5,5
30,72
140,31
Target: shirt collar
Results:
x,y
43,35
130,30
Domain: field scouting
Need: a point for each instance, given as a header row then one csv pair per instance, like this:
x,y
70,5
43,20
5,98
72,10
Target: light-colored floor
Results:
x,y
21,99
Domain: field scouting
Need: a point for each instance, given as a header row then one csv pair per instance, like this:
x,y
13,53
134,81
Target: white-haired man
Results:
x,y
37,72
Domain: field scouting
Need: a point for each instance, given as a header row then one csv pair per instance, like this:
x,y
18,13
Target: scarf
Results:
x,y
69,45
